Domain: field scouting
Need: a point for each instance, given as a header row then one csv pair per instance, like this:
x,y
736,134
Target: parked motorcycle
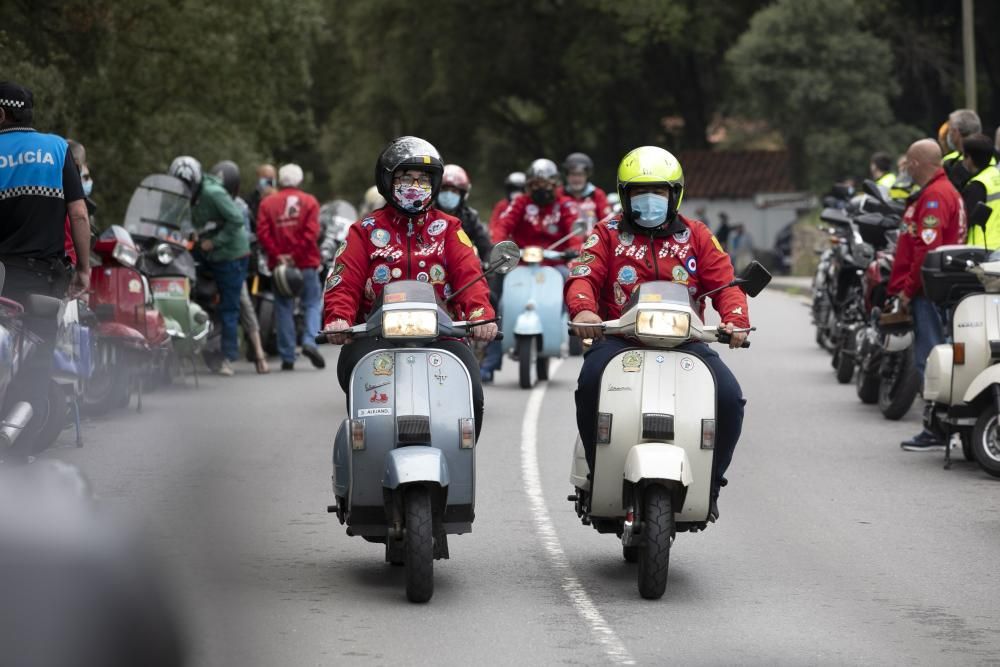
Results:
x,y
71,371
534,316
655,430
404,459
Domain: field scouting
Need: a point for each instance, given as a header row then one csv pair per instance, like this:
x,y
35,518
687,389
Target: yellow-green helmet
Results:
x,y
650,165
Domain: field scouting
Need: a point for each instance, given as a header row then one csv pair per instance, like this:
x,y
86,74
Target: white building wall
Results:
x,y
763,224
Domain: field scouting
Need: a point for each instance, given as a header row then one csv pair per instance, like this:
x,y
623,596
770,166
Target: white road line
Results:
x,y
585,607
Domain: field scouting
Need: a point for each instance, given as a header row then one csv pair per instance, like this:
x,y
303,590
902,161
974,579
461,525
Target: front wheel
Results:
x,y
419,547
867,384
845,359
899,386
985,442
657,534
527,357
55,420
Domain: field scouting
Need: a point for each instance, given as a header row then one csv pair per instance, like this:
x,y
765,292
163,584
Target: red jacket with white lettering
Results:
x,y
615,260
288,224
388,246
592,207
529,224
936,217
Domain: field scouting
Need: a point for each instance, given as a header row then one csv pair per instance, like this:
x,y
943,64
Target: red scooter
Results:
x,y
132,343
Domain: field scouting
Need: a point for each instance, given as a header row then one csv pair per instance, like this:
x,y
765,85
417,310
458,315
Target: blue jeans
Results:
x,y
284,312
927,331
229,277
729,400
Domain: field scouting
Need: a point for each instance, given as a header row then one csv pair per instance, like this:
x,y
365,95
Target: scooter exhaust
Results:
x,y
15,422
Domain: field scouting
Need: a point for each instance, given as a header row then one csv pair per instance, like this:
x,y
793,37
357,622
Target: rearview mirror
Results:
x,y
754,279
504,256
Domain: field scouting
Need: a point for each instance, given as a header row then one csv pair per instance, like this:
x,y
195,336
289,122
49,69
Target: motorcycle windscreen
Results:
x,y
410,382
650,381
542,286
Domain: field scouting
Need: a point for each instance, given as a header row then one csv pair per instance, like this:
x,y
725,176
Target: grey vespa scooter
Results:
x,y
404,466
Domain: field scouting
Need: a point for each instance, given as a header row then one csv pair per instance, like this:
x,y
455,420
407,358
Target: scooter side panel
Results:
x,y
542,285
974,324
987,378
667,382
938,374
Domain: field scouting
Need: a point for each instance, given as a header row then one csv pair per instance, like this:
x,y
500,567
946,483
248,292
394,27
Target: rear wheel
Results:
x,y
898,387
630,554
845,359
867,383
268,330
657,534
55,420
419,545
985,441
542,366
527,358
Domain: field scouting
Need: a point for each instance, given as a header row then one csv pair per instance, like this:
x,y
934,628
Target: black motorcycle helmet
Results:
x,y
288,281
229,173
408,153
577,161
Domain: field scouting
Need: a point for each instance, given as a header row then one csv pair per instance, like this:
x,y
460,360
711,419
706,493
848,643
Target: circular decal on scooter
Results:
x,y
397,272
659,358
423,277
134,286
627,275
683,237
687,364
679,275
579,271
380,238
382,364
632,361
437,274
380,274
626,238
434,360
691,264
437,227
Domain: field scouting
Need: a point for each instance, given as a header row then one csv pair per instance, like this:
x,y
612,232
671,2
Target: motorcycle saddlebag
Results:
x,y
944,273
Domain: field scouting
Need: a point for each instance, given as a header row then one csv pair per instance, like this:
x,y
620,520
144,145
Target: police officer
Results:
x,y
962,123
39,186
983,187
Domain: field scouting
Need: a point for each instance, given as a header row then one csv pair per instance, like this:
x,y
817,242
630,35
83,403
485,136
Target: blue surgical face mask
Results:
x,y
449,200
649,210
88,185
264,184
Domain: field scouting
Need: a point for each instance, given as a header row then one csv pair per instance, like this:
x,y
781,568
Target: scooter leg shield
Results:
x,y
342,461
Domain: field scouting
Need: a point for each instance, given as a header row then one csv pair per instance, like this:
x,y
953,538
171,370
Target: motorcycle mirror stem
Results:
x,y
503,257
492,268
579,228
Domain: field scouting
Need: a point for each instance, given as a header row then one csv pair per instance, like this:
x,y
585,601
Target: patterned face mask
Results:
x,y
412,198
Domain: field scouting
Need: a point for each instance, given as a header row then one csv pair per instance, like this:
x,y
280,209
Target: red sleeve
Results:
x,y
345,286
463,267
498,209
715,269
503,229
601,204
568,213
930,224
900,276
588,274
265,231
308,238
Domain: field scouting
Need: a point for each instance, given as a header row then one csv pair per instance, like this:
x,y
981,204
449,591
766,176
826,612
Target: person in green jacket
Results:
x,y
983,187
223,240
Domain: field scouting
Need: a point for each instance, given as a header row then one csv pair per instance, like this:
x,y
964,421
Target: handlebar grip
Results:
x,y
321,339
724,338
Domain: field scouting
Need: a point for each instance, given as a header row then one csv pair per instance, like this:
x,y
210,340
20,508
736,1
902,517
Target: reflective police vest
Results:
x,y
987,236
886,180
31,163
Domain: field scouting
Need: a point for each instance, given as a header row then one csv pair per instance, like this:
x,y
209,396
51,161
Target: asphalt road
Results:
x,y
834,546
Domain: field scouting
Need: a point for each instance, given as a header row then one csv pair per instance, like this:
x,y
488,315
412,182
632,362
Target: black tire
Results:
x,y
630,554
657,534
419,544
967,451
527,361
867,385
897,392
268,330
55,420
542,367
108,385
845,359
575,346
986,441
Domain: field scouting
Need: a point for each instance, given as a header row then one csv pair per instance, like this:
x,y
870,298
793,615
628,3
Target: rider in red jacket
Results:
x,y
513,186
407,240
590,200
650,241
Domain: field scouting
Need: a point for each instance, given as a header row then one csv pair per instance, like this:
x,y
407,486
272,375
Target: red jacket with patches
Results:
x,y
528,224
498,210
388,246
936,217
613,263
288,224
592,207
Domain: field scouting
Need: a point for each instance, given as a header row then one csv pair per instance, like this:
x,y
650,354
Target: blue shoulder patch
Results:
x,y
932,204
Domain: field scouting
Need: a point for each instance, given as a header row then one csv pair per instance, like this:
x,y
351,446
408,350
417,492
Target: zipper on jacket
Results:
x,y
409,235
652,257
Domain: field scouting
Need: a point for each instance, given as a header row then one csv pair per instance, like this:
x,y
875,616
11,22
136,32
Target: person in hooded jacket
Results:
x,y
590,200
651,240
513,186
453,199
408,239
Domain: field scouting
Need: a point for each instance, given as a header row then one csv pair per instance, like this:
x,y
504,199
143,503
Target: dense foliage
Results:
x,y
492,83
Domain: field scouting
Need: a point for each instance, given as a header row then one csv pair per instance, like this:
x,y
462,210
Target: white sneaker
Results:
x,y
226,369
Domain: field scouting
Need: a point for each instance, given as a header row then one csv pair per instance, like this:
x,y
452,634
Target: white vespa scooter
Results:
x,y
655,429
404,465
962,380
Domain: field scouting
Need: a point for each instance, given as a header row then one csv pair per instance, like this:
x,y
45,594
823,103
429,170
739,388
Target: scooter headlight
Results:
x,y
532,255
665,323
125,254
164,253
410,324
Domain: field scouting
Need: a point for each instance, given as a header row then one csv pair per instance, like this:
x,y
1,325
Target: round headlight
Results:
x,y
164,254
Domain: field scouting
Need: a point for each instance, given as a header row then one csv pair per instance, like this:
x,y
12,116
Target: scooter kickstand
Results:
x,y
76,421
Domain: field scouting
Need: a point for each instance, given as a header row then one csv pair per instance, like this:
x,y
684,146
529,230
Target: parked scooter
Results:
x,y
71,371
159,220
534,316
655,430
962,379
404,459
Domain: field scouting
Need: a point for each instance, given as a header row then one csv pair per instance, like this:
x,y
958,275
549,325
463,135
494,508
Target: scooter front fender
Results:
x,y
658,460
898,342
989,377
406,465
528,324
